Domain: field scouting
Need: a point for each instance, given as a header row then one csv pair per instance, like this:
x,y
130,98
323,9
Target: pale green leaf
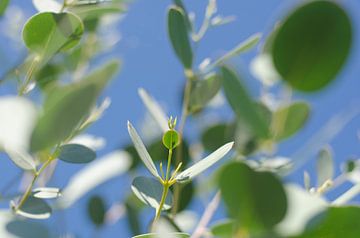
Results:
x,y
46,192
324,166
75,153
166,235
22,159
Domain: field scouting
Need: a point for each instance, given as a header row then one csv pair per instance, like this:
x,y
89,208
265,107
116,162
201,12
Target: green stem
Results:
x,y
168,165
162,201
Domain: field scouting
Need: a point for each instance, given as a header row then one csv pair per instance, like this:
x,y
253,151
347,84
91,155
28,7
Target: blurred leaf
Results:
x,y
289,119
133,217
204,164
46,192
216,135
169,235
312,45
27,229
180,4
324,166
142,151
203,91
22,159
46,33
186,195
333,223
154,109
35,208
48,75
223,229
242,103
149,191
3,6
178,33
47,6
307,181
93,11
94,174
96,210
171,139
256,200
75,153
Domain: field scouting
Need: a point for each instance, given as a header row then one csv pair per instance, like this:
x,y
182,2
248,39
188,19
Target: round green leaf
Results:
x,y
76,153
171,139
46,33
96,210
312,45
149,191
256,200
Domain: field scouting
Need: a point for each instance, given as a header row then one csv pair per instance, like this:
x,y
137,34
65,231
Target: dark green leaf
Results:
x,y
76,153
215,136
256,200
242,103
178,33
35,208
289,119
27,229
171,139
96,210
312,45
133,217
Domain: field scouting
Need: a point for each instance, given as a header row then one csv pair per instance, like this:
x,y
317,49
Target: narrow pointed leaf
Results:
x,y
178,33
324,166
149,191
142,151
204,164
75,153
167,235
46,193
154,109
35,208
22,159
3,6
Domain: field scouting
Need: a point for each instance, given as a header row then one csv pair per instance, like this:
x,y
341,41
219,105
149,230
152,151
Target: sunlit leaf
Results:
x,y
142,151
242,103
149,191
166,235
35,208
204,164
223,229
46,192
256,200
94,174
324,166
47,5
3,6
75,153
94,11
171,139
46,33
287,120
312,45
22,159
177,29
96,210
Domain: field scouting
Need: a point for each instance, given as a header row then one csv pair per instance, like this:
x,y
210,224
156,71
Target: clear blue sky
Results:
x,y
149,62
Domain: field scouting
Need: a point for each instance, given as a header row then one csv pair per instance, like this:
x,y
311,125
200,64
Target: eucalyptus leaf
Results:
x,y
204,164
215,135
94,174
223,229
288,120
142,151
259,201
46,33
47,5
3,6
76,153
178,34
95,11
46,192
166,235
154,109
171,139
149,191
324,166
35,208
26,229
242,103
97,210
312,45
22,159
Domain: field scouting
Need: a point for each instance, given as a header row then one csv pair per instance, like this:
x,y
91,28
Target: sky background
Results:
x,y
149,62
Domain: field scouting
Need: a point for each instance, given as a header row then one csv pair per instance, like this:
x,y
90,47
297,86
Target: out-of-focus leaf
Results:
x,y
216,135
333,223
26,229
3,6
22,159
203,91
133,217
47,6
242,103
94,174
96,210
142,151
75,153
46,33
149,191
154,109
289,119
178,34
17,120
307,181
223,229
94,11
312,45
35,208
324,166
48,75
204,164
166,235
46,193
256,200
186,195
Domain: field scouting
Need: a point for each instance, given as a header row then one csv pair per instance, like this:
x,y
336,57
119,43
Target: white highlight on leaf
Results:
x,y
154,109
46,192
142,151
204,164
47,6
94,174
263,69
90,141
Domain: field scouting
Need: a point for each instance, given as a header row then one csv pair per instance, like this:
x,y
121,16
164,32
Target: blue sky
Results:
x,y
149,62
